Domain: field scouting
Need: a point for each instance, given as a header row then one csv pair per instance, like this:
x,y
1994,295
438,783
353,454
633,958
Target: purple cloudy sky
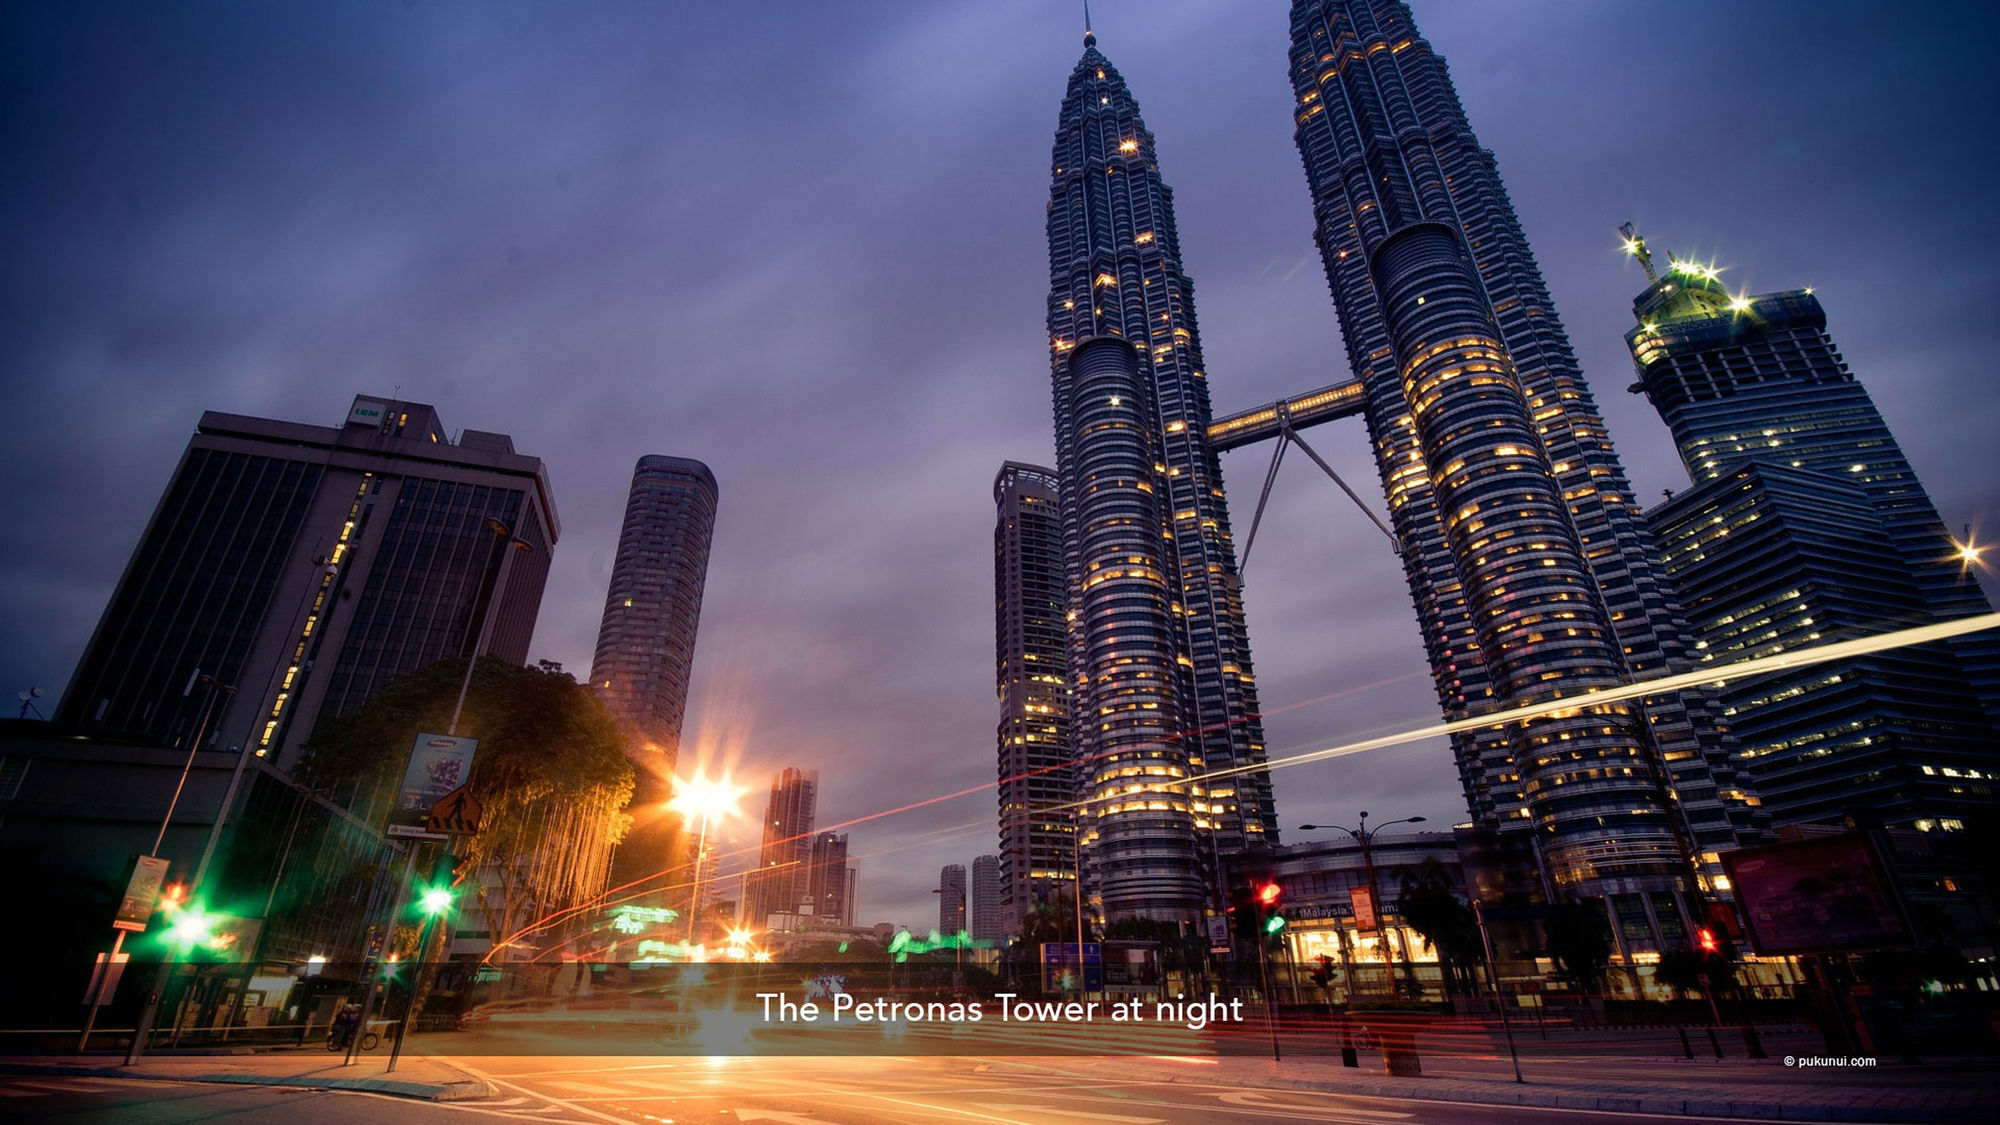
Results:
x,y
803,242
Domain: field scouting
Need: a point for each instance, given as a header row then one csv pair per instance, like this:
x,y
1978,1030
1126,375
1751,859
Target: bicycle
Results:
x,y
338,1040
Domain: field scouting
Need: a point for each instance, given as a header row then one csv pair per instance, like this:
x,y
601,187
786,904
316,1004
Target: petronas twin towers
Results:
x,y
1532,573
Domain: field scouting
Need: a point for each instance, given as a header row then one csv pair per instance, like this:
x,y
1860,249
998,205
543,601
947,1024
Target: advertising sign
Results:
x,y
142,894
1218,933
1363,901
1816,896
439,763
1060,962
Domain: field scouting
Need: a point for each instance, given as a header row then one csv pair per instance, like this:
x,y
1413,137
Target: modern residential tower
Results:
x,y
305,566
1115,276
951,899
1806,524
988,914
645,642
1532,572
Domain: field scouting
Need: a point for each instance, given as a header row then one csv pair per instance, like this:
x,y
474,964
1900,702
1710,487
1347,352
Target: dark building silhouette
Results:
x,y
1115,275
1031,672
782,881
829,880
1469,388
305,566
1807,524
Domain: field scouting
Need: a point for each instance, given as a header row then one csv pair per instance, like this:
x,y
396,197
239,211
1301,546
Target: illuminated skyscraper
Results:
x,y
1031,674
1115,274
1532,572
1806,524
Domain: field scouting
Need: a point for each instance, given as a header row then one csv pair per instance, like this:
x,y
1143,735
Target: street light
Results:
x,y
706,798
1365,838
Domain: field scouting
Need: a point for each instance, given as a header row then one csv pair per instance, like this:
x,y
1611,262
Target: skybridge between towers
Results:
x,y
1247,427
1282,420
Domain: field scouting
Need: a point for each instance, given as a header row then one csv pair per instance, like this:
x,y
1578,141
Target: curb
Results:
x,y
464,1090
1660,1103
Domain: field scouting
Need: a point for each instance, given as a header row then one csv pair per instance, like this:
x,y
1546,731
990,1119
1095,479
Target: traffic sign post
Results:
x,y
135,911
457,813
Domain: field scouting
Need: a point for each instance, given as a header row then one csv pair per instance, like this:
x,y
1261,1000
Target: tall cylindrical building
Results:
x,y
1133,765
1538,620
645,642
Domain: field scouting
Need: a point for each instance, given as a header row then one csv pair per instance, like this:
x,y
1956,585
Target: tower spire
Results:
x,y
1089,36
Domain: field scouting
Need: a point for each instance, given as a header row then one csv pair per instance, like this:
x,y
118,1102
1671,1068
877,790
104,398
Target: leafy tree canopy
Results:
x,y
541,735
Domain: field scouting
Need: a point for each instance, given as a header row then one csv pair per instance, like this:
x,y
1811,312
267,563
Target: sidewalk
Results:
x,y
416,1076
1940,1092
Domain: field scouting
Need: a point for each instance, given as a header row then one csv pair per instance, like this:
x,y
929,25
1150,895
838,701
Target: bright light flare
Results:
x,y
1739,304
706,798
1968,552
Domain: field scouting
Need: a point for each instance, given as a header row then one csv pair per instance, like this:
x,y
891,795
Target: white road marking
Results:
x,y
1086,1114
551,1099
750,1113
1257,1100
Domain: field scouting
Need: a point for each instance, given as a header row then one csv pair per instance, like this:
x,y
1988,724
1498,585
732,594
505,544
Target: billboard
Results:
x,y
439,763
1827,895
1060,962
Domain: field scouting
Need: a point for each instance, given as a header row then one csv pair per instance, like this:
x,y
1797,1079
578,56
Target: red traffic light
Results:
x,y
1268,894
1705,939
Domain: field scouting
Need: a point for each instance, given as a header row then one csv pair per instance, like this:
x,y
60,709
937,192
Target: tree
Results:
x,y
1444,921
1691,970
1579,942
550,771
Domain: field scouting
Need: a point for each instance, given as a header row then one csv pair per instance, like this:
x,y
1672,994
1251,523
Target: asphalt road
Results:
x,y
780,1091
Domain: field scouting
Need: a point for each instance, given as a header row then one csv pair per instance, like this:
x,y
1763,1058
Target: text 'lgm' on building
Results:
x,y
1121,315
1478,412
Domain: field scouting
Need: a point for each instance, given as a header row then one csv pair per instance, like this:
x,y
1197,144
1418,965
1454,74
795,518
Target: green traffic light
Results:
x,y
437,900
1273,924
192,927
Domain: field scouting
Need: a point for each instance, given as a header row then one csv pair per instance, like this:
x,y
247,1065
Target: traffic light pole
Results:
x,y
420,984
1493,980
375,971
1270,1017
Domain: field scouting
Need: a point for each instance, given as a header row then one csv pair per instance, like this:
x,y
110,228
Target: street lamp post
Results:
x,y
958,971
1365,838
162,976
707,799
